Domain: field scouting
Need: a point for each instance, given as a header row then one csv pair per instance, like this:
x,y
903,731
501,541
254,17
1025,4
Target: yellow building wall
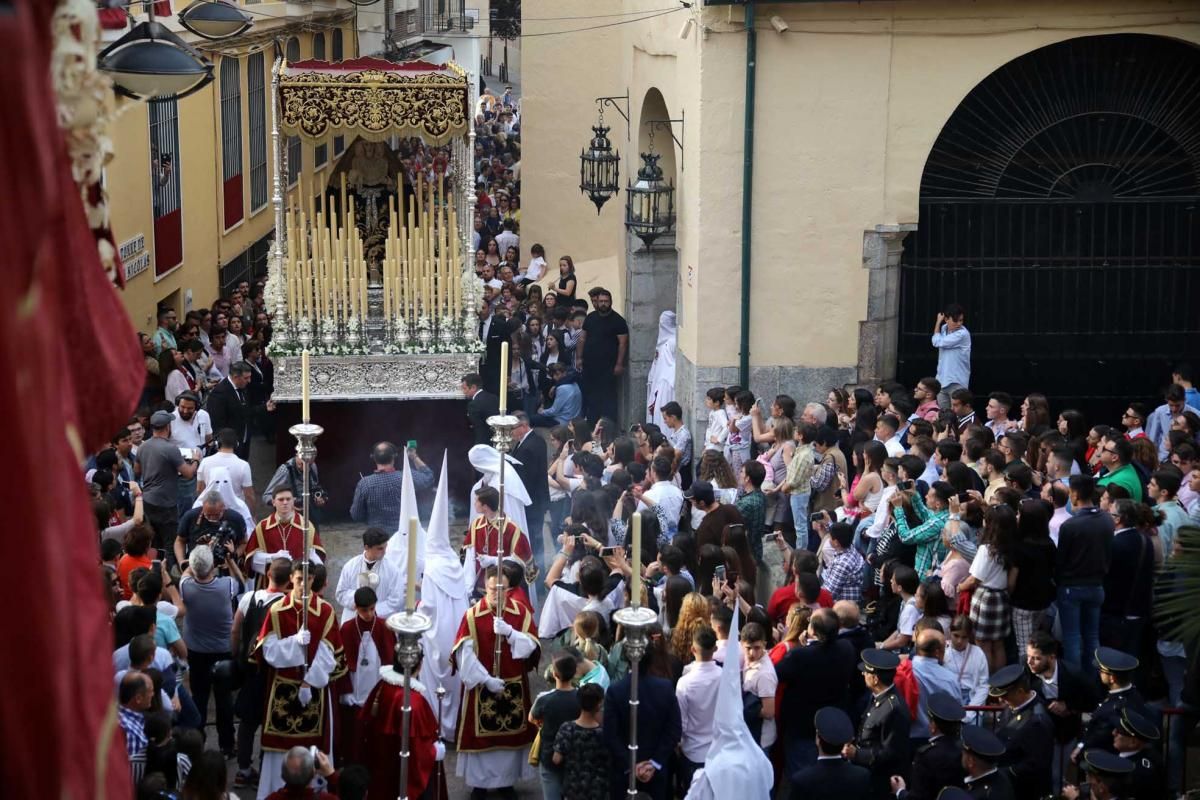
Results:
x,y
849,104
206,245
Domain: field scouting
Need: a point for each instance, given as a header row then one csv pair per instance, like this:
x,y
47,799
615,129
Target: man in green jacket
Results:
x,y
1115,457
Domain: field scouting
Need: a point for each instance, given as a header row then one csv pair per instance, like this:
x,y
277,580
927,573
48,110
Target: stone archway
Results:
x,y
651,273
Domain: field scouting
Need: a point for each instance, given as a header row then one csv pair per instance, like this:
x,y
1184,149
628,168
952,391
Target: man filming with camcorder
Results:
x,y
223,530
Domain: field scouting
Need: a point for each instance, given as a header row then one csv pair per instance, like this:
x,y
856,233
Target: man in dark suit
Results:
x,y
883,745
228,406
530,451
480,406
1064,690
832,777
658,733
938,763
1028,735
982,750
818,674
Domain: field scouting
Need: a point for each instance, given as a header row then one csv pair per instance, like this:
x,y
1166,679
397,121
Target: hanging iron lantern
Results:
x,y
600,167
150,61
650,202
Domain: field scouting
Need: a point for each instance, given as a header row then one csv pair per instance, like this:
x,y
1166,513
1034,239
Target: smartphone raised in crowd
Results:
x,y
720,573
904,486
412,444
605,552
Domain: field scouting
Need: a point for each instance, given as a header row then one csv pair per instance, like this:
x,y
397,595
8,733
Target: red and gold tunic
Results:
x,y
484,537
379,735
270,536
286,723
488,721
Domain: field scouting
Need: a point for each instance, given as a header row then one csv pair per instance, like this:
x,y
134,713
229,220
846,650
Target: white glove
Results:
x,y
303,637
280,554
486,560
494,685
304,695
439,751
500,627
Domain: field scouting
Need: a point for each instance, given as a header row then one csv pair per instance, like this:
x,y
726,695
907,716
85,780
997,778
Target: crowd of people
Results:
x,y
922,600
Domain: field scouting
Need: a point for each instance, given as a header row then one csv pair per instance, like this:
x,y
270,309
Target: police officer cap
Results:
x,y
1134,724
954,793
833,725
1111,660
1106,763
982,742
946,708
879,661
1003,678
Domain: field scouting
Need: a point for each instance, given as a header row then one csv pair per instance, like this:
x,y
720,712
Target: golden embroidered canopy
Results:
x,y
374,99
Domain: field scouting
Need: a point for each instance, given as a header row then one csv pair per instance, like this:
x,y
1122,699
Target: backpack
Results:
x,y
252,622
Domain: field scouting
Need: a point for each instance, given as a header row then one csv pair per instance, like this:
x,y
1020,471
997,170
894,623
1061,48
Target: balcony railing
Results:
x,y
434,17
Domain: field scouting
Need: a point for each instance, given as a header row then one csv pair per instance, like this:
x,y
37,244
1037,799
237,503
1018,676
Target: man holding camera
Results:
x,y
206,632
212,524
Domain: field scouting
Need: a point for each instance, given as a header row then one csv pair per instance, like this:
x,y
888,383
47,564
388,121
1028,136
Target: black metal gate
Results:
x,y
1061,207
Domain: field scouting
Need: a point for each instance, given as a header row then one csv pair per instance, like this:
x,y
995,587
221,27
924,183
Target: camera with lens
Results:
x,y
320,494
222,543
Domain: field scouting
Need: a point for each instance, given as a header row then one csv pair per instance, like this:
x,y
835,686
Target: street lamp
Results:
x,y
650,202
151,61
599,167
214,19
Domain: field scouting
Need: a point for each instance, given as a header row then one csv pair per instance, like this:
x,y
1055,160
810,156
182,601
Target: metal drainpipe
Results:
x,y
747,191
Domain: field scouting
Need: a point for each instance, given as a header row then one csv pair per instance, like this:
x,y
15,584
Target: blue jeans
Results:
x,y
1079,612
799,504
551,779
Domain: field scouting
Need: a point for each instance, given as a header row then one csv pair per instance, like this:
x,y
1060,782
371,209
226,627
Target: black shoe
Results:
x,y
508,793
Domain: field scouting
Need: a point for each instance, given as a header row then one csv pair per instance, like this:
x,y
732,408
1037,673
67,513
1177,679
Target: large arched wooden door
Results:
x,y
1059,205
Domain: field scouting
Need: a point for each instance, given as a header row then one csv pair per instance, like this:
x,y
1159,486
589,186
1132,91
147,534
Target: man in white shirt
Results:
x,y
191,426
372,570
886,431
665,494
507,238
998,408
239,469
191,429
696,694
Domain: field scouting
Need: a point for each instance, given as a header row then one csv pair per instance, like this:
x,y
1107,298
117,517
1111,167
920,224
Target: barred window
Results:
x,y
257,101
337,44
166,197
231,117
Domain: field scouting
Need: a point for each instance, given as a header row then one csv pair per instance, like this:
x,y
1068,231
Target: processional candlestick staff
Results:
x,y
409,626
306,434
634,620
502,426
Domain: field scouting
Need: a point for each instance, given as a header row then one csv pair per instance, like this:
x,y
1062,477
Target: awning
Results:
x,y
374,99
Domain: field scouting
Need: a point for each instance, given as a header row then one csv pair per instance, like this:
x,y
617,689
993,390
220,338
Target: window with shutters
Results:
x,y
337,44
164,184
231,140
257,102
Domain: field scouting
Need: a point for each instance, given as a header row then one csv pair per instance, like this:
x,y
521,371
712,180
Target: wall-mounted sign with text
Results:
x,y
134,256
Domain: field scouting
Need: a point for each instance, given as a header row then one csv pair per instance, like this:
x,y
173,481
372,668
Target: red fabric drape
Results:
x,y
73,375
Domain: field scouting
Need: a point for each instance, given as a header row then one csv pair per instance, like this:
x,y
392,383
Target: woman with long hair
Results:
x,y
716,470
735,539
1031,581
838,403
710,558
492,254
675,590
792,633
565,288
988,583
1035,414
693,615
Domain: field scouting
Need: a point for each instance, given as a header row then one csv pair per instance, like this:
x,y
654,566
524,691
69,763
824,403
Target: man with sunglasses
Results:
x,y
1115,455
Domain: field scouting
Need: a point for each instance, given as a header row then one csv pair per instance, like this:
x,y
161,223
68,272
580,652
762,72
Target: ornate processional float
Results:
x,y
371,270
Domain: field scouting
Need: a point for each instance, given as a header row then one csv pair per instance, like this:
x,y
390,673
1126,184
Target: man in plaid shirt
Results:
x,y
927,534
135,695
843,574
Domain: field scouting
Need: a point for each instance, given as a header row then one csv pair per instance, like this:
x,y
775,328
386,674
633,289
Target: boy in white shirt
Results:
x,y
718,420
759,678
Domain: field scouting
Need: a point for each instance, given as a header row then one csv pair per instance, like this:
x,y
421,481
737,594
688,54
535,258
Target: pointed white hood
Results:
x,y
220,481
397,548
441,562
